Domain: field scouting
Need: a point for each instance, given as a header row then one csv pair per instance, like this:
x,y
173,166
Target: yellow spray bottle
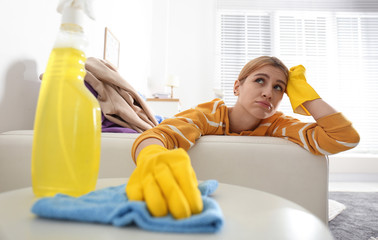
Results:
x,y
67,126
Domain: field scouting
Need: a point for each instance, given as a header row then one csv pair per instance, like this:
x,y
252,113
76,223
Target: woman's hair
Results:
x,y
260,62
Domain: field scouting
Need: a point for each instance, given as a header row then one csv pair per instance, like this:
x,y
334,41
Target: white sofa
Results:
x,y
269,164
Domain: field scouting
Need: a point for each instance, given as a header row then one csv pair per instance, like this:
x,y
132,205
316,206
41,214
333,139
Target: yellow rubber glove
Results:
x,y
299,91
166,180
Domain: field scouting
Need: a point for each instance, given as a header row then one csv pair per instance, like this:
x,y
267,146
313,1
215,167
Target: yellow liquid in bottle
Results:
x,y
67,129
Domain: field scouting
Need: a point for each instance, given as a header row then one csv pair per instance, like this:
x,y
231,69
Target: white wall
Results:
x,y
353,167
28,31
183,44
130,22
27,35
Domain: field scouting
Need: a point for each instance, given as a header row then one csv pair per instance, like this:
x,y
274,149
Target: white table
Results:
x,y
248,214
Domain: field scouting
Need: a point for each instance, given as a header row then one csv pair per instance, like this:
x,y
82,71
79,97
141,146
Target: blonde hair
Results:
x,y
260,62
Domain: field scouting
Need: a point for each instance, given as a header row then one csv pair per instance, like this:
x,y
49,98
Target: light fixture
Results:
x,y
173,81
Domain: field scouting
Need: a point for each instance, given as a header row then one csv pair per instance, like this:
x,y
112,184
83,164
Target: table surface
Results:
x,y
248,214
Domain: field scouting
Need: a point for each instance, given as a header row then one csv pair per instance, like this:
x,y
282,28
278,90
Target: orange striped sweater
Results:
x,y
329,135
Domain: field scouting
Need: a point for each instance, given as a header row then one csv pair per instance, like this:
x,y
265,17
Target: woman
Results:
x,y
164,177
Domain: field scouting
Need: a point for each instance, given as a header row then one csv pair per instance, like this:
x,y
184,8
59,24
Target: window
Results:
x,y
339,50
243,37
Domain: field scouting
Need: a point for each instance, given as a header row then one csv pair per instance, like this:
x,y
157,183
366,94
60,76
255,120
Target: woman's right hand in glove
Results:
x,y
166,181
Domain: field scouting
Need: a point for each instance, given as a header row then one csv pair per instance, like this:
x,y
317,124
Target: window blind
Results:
x,y
339,51
299,5
357,54
243,37
302,40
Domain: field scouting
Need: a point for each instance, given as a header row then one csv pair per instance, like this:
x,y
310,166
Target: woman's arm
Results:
x,y
165,177
185,128
331,134
318,108
146,142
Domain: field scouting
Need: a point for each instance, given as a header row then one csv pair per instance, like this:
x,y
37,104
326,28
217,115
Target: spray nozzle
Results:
x,y
72,10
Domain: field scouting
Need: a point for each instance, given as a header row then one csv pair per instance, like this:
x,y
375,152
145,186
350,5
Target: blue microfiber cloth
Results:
x,y
111,206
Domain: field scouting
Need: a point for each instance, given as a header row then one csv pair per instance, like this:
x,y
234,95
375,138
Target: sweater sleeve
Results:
x,y
329,135
185,128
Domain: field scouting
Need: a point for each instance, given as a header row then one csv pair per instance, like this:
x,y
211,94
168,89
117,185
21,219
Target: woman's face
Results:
x,y
261,92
